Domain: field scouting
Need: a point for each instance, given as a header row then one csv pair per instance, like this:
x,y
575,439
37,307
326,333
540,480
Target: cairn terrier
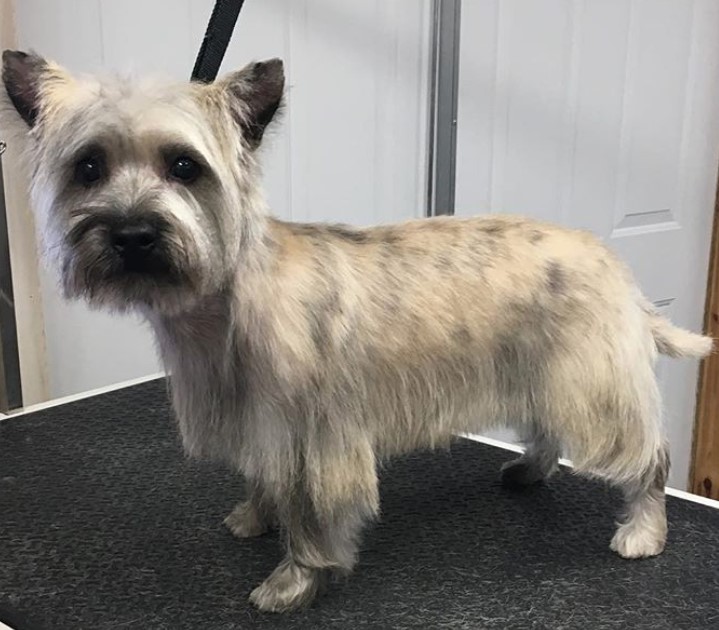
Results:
x,y
301,355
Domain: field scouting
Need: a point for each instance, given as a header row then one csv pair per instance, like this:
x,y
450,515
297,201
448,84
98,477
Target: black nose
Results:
x,y
134,241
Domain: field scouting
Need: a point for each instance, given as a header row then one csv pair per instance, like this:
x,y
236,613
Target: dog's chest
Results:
x,y
209,383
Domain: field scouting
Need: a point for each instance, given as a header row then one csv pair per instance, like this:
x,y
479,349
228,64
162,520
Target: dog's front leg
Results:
x,y
322,520
254,516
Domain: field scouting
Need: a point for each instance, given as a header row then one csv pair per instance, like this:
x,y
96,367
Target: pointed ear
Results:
x,y
21,75
257,91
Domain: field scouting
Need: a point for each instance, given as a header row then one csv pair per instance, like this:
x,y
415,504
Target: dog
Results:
x,y
302,355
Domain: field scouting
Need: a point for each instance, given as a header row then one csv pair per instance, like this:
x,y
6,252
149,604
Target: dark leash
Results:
x,y
217,38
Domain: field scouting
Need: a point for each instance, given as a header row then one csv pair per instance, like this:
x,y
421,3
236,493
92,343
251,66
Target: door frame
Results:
x,y
704,479
10,376
442,110
27,298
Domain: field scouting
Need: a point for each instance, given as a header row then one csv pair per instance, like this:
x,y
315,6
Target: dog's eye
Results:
x,y
185,170
88,171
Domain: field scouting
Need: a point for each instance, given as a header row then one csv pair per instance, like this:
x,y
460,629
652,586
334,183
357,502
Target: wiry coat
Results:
x,y
372,342
302,354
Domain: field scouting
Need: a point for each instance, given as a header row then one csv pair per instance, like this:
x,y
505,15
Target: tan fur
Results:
x,y
302,354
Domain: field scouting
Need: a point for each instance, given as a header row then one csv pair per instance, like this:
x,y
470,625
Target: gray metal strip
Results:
x,y
10,368
444,88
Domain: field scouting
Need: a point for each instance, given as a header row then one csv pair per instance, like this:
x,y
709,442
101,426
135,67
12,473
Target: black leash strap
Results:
x,y
217,38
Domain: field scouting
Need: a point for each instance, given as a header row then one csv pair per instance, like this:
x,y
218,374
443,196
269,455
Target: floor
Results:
x,y
104,525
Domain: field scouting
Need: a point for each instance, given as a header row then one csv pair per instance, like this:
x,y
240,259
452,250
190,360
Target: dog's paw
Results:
x,y
288,587
520,473
632,542
245,521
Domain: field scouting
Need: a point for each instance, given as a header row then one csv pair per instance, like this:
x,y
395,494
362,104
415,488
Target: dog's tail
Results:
x,y
674,341
677,342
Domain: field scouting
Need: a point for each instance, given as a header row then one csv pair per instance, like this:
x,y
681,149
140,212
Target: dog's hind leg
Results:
x,y
537,463
620,440
643,531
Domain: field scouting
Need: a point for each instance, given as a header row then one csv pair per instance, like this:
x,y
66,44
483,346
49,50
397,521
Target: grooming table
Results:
x,y
105,525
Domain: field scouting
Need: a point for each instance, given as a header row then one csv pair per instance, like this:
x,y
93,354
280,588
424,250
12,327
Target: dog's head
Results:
x,y
145,194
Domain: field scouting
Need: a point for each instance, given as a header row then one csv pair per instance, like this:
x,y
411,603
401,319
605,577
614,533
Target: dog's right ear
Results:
x,y
21,75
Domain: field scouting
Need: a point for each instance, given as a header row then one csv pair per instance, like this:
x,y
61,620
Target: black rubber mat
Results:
x,y
104,525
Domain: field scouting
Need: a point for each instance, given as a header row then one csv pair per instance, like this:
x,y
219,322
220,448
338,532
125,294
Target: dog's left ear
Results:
x,y
22,74
257,90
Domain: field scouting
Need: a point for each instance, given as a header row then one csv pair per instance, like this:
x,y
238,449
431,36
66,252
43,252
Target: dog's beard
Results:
x,y
93,270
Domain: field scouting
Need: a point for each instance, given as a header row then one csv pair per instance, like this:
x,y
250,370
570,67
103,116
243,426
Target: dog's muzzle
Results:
x,y
115,246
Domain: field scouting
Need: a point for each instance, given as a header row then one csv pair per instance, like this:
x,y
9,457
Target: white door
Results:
x,y
604,115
